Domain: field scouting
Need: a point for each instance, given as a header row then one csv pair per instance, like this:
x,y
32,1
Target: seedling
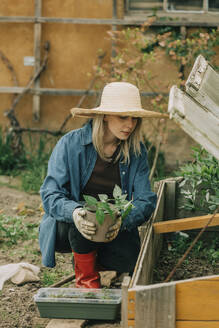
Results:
x,y
115,207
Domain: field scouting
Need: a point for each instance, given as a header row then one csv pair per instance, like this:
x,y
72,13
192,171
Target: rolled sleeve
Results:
x,y
144,200
55,191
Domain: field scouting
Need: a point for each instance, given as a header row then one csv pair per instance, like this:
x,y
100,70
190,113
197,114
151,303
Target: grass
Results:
x,y
31,162
15,228
51,276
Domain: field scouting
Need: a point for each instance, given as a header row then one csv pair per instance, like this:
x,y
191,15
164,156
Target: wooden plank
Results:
x,y
38,322
200,124
205,5
131,305
197,324
203,85
65,92
197,300
170,199
120,9
37,55
131,323
173,19
66,323
149,249
124,307
155,307
185,224
146,5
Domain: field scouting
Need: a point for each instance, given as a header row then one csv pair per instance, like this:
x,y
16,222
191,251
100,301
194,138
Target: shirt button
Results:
x,y
125,191
123,172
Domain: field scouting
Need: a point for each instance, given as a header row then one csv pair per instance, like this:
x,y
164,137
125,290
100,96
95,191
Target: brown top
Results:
x,y
103,178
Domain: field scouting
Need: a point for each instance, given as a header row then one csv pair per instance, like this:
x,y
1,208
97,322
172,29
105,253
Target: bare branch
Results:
x,y
9,66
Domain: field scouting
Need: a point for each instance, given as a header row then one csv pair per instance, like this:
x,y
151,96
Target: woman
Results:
x,y
108,150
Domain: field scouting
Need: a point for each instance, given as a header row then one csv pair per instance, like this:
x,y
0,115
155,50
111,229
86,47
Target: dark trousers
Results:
x,y
120,254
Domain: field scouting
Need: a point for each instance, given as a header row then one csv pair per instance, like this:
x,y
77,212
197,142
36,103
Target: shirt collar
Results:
x,y
87,133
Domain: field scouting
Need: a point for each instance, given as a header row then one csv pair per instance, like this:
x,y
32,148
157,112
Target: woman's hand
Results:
x,y
85,227
114,229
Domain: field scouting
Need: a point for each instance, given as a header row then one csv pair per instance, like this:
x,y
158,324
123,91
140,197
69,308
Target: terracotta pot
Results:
x,y
101,228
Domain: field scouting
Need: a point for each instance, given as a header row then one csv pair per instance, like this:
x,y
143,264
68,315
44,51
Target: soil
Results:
x,y
194,265
18,309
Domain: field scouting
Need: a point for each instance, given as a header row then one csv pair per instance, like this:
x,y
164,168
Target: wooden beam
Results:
x,y
197,324
203,85
49,91
197,222
197,300
146,5
155,306
67,92
210,21
198,122
37,56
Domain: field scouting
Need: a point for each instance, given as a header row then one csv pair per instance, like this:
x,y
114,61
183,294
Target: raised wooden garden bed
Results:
x,y
192,303
189,303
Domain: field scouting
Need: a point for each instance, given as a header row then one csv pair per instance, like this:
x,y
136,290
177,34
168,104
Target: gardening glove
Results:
x,y
85,227
114,229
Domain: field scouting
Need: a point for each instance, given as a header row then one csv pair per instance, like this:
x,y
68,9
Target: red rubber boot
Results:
x,y
86,273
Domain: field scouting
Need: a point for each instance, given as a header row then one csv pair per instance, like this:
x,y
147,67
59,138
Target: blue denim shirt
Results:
x,y
69,168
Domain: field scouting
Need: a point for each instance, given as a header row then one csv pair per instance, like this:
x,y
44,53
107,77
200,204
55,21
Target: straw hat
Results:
x,y
118,98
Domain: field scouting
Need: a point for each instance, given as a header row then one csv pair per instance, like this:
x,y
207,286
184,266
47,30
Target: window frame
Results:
x,y
192,18
205,7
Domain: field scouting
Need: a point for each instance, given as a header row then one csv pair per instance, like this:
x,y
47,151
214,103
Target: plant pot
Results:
x,y
101,228
79,303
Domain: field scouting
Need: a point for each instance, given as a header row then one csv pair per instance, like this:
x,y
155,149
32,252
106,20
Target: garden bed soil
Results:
x,y
18,309
195,265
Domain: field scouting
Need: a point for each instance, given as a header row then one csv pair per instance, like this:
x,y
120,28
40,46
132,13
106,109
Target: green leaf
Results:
x,y
117,192
127,211
123,197
91,201
100,216
107,209
103,197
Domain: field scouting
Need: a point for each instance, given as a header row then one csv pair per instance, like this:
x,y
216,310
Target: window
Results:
x,y
173,5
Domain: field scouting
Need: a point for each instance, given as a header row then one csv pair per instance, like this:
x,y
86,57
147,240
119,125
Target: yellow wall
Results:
x,y
72,56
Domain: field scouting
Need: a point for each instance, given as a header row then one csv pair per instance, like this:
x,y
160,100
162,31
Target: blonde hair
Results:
x,y
133,142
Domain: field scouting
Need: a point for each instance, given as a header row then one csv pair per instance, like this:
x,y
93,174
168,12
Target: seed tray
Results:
x,y
79,303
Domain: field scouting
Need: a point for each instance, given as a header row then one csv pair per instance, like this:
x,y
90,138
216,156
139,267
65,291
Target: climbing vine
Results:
x,y
136,49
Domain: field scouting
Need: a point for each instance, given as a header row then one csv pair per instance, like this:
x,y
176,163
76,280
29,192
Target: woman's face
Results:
x,y
120,127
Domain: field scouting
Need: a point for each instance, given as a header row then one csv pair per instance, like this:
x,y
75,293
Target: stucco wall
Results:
x,y
72,55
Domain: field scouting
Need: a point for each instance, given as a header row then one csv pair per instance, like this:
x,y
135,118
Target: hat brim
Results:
x,y
91,113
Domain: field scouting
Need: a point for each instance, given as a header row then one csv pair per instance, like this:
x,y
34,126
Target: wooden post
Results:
x,y
152,306
165,5
205,5
124,309
170,199
120,9
114,27
37,50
